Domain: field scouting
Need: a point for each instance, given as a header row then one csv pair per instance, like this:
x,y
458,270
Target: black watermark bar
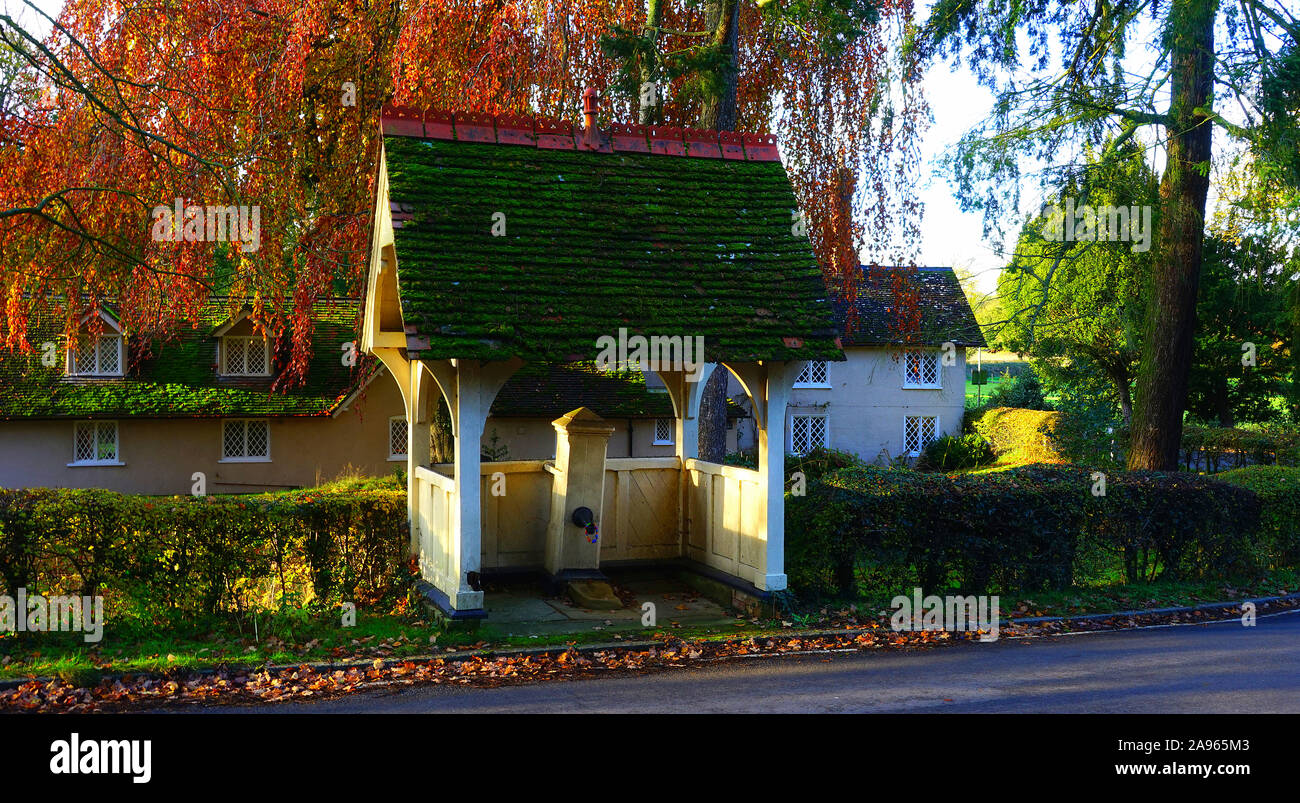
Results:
x,y
232,749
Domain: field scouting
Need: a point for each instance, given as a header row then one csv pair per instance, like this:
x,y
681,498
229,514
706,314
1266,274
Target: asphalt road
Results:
x,y
1218,668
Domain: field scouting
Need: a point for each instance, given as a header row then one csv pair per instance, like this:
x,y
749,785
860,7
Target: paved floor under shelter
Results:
x,y
519,607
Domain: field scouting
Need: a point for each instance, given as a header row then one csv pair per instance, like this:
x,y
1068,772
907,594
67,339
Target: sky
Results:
x,y
949,236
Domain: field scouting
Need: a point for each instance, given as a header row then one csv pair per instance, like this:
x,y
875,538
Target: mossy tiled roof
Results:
x,y
595,242
946,315
180,379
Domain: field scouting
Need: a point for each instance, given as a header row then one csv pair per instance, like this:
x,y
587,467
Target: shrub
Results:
x,y
957,452
1020,390
1089,435
813,464
181,554
1176,525
1024,435
1028,528
1218,448
1278,489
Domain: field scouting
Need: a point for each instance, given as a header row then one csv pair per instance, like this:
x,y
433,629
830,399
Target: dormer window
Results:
x,y
245,355
97,354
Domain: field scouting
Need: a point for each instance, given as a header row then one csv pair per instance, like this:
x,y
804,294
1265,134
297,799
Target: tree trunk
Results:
x,y
653,17
1171,317
719,114
444,444
1125,399
713,417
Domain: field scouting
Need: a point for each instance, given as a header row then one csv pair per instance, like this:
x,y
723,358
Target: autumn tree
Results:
x,y
128,109
275,104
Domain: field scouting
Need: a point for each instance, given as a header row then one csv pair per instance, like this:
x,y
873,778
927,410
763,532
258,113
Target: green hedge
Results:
x,y
1278,489
1028,528
1039,436
1217,448
153,555
1024,432
813,465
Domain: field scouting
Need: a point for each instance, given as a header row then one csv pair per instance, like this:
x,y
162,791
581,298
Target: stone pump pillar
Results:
x,y
577,495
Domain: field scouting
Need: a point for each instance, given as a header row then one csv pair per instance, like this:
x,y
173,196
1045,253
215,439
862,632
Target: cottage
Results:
x,y
145,417
895,392
110,411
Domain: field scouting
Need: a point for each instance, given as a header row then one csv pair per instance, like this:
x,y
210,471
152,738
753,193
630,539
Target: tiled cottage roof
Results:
x,y
538,390
945,313
180,379
587,243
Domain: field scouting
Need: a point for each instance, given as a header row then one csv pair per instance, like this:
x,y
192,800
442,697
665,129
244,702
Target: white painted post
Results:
x,y
419,451
777,377
477,385
466,536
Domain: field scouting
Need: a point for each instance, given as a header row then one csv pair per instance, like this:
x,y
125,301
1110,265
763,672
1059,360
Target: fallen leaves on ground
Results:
x,y
306,682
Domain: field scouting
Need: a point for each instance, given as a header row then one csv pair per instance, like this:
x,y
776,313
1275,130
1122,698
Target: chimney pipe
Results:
x,y
590,99
591,138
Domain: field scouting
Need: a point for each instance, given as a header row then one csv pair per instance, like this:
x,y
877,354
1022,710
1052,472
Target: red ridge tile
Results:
x,y
629,138
732,145
702,143
554,134
761,148
438,125
516,129
667,140
475,127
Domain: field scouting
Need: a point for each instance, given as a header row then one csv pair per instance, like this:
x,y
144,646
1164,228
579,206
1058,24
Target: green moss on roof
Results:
x,y
595,242
180,379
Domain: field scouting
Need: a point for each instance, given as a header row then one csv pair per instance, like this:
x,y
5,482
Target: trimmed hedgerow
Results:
x,y
1278,489
1027,433
1217,448
813,465
1028,528
182,554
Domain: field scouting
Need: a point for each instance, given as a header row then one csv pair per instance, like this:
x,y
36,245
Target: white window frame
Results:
x,y
938,433
672,432
245,421
117,443
826,430
71,367
925,354
807,371
222,362
395,456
